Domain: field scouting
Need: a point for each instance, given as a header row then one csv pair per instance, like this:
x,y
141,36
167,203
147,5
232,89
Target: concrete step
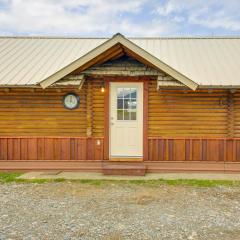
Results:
x,y
127,169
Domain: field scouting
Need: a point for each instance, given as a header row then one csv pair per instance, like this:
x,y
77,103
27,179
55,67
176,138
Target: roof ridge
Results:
x,y
51,37
189,37
163,38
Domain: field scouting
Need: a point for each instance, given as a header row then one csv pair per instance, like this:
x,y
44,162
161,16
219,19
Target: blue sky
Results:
x,y
103,18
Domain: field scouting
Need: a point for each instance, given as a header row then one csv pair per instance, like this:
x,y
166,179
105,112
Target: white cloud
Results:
x,y
65,17
106,17
211,14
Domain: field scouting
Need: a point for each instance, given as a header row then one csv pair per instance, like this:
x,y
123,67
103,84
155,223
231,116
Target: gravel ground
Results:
x,y
68,210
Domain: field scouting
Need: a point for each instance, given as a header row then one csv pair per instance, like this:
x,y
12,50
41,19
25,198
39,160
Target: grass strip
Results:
x,y
13,178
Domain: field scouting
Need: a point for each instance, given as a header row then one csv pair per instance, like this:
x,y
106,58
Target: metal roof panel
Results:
x,y
206,61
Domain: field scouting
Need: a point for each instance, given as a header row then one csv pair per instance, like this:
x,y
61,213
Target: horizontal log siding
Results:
x,y
179,113
98,108
40,113
236,114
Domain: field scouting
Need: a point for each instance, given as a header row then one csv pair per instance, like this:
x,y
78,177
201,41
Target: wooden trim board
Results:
x,y
97,165
126,159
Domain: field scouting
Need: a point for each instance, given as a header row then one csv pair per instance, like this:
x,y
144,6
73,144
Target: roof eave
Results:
x,y
118,39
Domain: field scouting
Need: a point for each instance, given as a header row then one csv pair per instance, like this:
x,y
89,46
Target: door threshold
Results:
x,y
126,159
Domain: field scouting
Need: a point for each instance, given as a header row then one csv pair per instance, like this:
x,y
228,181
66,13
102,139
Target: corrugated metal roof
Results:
x,y
206,61
28,61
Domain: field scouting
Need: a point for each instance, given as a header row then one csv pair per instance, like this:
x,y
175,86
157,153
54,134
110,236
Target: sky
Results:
x,y
132,18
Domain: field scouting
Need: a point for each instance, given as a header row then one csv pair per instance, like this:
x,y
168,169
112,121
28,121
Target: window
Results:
x,y
126,104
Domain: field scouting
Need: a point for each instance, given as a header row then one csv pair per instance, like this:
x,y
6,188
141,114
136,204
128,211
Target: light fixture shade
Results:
x,y
103,87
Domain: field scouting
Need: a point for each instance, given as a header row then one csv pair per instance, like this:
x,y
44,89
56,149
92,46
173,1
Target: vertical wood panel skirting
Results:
x,y
51,148
194,149
82,148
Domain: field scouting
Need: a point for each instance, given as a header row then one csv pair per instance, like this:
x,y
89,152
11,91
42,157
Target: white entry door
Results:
x,y
126,120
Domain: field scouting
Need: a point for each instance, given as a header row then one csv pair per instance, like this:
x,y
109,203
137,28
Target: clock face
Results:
x,y
71,101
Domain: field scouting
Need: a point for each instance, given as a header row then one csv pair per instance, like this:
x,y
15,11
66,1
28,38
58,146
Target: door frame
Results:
x,y
145,81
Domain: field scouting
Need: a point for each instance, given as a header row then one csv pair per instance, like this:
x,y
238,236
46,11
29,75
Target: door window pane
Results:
x,y
126,104
120,104
133,116
133,104
120,92
120,114
126,115
133,93
126,92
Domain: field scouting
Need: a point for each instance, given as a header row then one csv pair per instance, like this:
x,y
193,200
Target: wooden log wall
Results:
x,y
182,125
185,113
89,112
171,113
38,112
236,114
24,112
98,107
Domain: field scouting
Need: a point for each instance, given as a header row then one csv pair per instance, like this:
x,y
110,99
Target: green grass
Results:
x,y
8,177
12,177
188,182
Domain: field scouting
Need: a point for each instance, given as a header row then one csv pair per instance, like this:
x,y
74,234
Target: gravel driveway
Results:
x,y
68,210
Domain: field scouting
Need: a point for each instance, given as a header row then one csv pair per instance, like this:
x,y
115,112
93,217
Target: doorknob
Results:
x,y
112,123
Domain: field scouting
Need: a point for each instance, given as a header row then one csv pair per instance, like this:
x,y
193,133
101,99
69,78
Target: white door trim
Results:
x,y
126,136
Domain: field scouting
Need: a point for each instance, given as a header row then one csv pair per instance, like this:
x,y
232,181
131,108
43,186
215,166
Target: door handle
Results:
x,y
112,123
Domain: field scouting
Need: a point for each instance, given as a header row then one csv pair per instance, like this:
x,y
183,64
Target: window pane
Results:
x,y
126,115
133,92
120,92
119,114
133,104
133,116
120,104
127,103
127,93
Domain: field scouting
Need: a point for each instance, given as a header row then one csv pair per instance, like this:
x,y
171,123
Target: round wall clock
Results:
x,y
71,101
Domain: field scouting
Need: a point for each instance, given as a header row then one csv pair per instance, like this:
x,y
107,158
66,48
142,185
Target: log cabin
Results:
x,y
120,105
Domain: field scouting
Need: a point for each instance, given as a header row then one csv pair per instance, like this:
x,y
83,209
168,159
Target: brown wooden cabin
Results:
x,y
120,105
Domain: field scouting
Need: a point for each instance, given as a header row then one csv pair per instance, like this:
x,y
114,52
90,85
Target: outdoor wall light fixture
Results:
x,y
102,87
